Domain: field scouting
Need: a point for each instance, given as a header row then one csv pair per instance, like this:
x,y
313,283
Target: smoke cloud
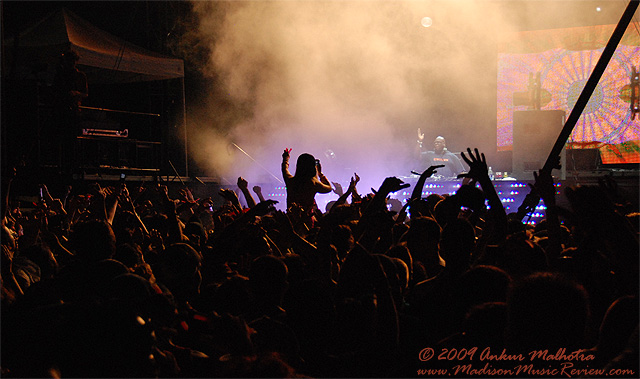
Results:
x,y
347,81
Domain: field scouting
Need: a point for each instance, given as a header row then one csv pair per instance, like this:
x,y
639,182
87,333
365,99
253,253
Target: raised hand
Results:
x,y
229,195
392,184
286,154
96,191
355,179
478,169
243,183
264,207
137,191
124,199
156,241
318,167
417,190
543,186
420,135
337,188
428,172
186,195
163,191
258,191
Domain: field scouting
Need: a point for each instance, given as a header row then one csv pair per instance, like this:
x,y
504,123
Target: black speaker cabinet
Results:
x,y
534,134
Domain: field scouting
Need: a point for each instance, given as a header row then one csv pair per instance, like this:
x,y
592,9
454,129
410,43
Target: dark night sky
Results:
x,y
146,23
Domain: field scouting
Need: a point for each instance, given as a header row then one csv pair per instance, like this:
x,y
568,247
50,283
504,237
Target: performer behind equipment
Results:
x,y
439,156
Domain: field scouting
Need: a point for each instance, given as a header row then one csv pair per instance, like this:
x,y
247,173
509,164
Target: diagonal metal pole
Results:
x,y
591,84
256,162
532,199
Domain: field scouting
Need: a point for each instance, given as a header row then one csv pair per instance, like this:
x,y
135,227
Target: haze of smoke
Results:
x,y
353,77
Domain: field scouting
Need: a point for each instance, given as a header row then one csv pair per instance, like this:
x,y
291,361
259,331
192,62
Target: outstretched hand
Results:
x,y
477,165
286,154
420,135
354,181
264,207
429,172
392,184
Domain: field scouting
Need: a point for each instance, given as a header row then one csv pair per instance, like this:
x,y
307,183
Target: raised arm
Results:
x,y
244,188
478,171
547,191
389,185
352,186
126,203
55,204
258,191
285,164
325,184
418,150
417,191
6,189
377,204
231,197
169,209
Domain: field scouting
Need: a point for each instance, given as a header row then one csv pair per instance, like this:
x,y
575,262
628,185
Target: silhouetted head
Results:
x,y
520,256
268,277
305,166
484,284
457,242
484,324
402,252
617,326
546,311
422,238
44,258
179,269
94,241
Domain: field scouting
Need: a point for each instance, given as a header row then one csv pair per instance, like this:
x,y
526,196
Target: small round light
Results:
x,y
598,9
426,22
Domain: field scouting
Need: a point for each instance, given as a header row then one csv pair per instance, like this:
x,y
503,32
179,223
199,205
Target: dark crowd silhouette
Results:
x,y
135,281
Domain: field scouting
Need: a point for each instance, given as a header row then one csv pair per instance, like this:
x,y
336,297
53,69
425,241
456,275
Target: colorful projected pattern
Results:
x,y
606,118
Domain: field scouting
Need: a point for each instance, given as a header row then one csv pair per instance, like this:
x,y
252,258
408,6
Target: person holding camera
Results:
x,y
307,181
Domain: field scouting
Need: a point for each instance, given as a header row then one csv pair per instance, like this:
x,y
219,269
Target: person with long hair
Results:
x,y
307,181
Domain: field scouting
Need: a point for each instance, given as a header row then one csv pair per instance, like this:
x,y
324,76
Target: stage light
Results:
x,y
598,9
426,22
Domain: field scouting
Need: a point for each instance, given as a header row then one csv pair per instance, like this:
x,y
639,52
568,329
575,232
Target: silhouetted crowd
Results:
x,y
141,282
